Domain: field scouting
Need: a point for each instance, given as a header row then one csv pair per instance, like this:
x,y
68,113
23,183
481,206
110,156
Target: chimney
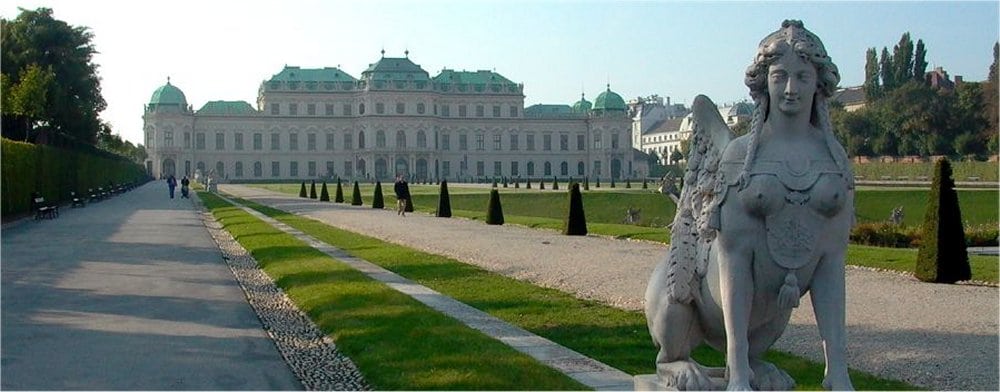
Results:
x,y
958,80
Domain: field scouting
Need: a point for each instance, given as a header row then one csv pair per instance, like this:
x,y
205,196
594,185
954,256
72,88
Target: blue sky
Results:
x,y
217,50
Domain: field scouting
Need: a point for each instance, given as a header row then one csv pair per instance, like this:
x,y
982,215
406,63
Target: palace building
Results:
x,y
394,119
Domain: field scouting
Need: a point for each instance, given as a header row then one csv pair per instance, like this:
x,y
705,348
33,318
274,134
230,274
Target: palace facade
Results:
x,y
394,119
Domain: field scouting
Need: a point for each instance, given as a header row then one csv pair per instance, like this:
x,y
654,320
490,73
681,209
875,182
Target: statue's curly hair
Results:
x,y
792,36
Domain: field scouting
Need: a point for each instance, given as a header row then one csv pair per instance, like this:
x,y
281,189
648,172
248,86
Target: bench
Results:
x,y
94,196
43,209
77,200
973,178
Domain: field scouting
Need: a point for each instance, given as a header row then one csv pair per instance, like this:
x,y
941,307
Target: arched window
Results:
x,y
361,108
548,169
400,139
258,169
361,140
380,139
580,168
421,139
238,169
564,169
531,168
220,170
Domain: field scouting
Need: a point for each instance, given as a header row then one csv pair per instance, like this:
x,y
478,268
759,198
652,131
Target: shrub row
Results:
x,y
887,234
55,172
985,171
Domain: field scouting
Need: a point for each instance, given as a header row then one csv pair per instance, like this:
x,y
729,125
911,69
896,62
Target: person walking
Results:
x,y
402,190
185,183
171,183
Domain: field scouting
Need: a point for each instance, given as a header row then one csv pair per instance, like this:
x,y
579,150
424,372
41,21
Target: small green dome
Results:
x,y
582,106
168,95
609,100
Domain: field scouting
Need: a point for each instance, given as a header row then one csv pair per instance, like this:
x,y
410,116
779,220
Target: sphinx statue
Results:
x,y
763,219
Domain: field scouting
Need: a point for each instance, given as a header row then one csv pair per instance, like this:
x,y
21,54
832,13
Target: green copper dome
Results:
x,y
168,95
609,100
582,106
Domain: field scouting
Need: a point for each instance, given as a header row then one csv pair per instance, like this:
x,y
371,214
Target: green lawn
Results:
x,y
617,337
984,268
396,342
986,171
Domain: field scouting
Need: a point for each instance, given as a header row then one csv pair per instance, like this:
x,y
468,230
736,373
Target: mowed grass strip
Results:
x,y
980,204
614,336
396,342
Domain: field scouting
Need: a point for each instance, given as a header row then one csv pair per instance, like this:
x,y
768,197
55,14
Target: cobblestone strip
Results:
x,y
579,367
312,356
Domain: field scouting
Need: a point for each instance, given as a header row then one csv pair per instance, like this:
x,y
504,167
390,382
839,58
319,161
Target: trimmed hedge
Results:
x,y
302,190
55,172
942,257
312,190
444,201
378,201
324,195
339,196
494,211
576,220
356,195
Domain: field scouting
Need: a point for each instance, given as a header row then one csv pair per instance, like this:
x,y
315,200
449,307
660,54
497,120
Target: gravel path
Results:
x,y
933,336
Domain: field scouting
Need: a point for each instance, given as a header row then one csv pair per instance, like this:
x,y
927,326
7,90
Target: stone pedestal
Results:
x,y
652,382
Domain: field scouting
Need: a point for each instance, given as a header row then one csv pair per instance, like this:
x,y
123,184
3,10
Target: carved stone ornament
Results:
x,y
762,219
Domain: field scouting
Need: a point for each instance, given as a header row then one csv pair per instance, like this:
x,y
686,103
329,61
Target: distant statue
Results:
x,y
632,215
897,215
762,219
668,186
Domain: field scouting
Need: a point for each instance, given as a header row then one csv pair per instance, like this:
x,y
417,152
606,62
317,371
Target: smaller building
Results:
x,y
851,98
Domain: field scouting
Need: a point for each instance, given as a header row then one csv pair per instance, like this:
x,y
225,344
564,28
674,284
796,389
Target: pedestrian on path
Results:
x,y
171,183
402,190
185,183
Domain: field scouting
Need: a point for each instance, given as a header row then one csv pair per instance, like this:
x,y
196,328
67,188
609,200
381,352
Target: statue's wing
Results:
x,y
692,231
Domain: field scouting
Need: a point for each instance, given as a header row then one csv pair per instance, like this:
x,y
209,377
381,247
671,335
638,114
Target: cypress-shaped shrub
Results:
x,y
312,190
555,183
444,202
302,190
942,257
378,201
324,195
576,221
494,183
541,185
517,183
356,196
527,184
339,196
505,182
628,183
586,183
644,184
612,182
598,182
494,211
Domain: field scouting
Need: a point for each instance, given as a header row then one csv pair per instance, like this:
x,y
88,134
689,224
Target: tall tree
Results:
x,y
74,100
887,71
991,104
920,61
29,98
872,87
902,58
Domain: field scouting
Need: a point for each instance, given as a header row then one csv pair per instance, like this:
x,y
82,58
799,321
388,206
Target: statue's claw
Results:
x,y
685,376
768,377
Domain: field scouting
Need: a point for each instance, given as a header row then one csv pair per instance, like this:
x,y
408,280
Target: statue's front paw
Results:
x,y
842,383
768,377
738,385
685,376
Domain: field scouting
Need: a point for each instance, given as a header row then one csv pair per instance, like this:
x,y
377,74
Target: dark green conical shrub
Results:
x,y
378,201
339,196
576,221
527,184
444,202
628,183
302,190
494,183
541,185
555,184
612,182
943,257
356,196
324,195
312,190
598,182
586,183
517,183
644,184
505,182
494,211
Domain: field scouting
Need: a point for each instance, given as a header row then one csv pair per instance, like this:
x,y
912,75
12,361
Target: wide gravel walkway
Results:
x,y
930,335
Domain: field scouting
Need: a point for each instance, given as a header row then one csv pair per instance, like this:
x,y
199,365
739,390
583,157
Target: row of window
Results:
x,y
310,109
347,143
256,169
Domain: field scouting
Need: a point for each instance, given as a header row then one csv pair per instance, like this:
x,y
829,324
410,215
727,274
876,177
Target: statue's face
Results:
x,y
791,84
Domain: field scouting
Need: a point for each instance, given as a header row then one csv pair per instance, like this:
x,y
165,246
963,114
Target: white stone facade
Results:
x,y
371,128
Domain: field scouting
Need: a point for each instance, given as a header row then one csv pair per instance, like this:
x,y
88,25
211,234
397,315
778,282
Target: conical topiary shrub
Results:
x,y
339,196
541,185
555,184
576,221
356,196
527,184
324,195
942,257
612,182
505,182
444,202
494,211
312,190
586,183
598,182
517,183
494,183
302,190
628,183
378,201
644,185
